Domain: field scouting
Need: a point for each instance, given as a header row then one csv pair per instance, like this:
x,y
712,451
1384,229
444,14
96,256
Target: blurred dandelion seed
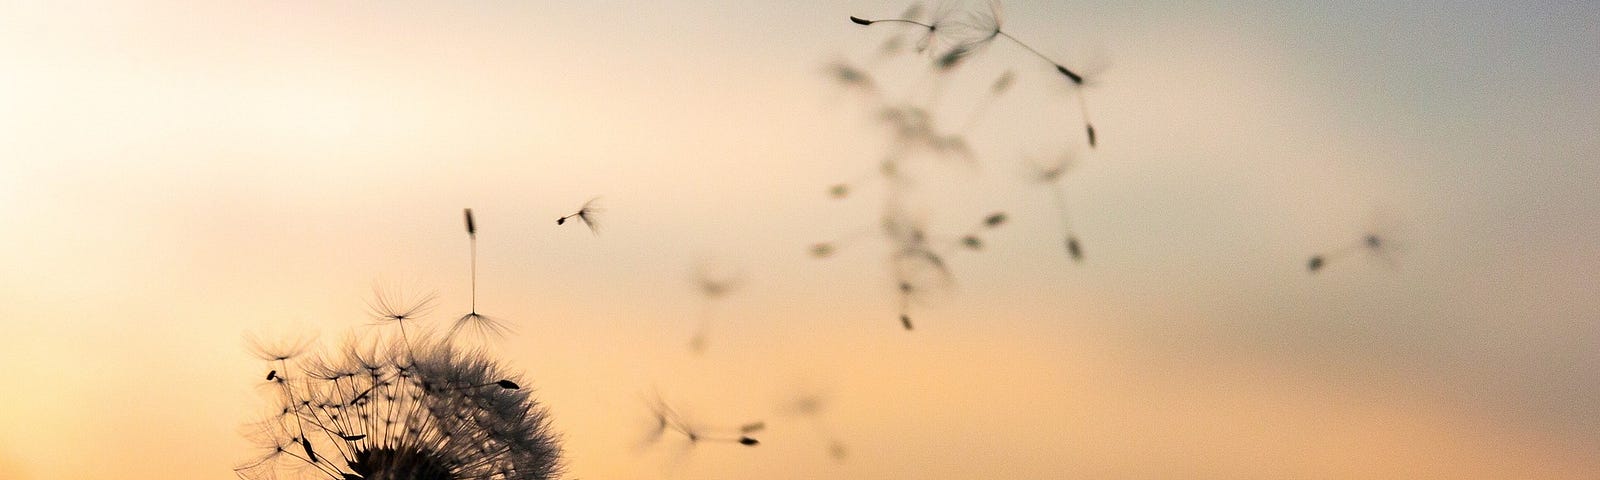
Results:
x,y
587,214
1380,242
813,407
713,281
1049,174
668,420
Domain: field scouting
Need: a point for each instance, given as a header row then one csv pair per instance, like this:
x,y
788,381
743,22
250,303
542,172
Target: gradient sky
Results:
x,y
174,175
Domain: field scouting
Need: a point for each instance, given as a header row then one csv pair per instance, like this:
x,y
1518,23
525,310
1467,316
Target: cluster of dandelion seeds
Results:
x,y
922,139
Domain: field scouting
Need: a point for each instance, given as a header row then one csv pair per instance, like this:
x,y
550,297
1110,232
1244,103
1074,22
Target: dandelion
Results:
x,y
440,413
586,214
484,325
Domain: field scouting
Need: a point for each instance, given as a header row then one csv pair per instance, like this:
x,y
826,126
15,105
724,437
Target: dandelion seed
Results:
x,y
1379,243
714,281
485,326
587,214
1049,174
392,304
839,191
995,219
282,349
668,420
811,406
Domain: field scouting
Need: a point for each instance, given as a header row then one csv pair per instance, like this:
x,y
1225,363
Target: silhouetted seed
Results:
x,y
1090,128
307,444
272,375
587,214
1315,263
1076,80
472,227
860,21
839,191
972,242
353,438
1074,249
822,250
837,450
507,384
752,427
995,219
905,321
749,442
352,476
1373,242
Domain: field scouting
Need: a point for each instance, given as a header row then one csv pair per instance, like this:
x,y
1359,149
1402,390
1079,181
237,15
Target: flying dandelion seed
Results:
x,y
437,413
998,88
666,420
1049,174
1379,243
587,214
813,408
713,281
483,325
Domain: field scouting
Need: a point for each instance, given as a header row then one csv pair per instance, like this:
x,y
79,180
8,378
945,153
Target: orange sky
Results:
x,y
174,176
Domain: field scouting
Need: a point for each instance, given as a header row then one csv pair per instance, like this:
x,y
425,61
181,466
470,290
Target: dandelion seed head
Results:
x,y
430,411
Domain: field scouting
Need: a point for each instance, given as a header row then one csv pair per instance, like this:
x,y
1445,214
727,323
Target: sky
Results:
x,y
175,176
